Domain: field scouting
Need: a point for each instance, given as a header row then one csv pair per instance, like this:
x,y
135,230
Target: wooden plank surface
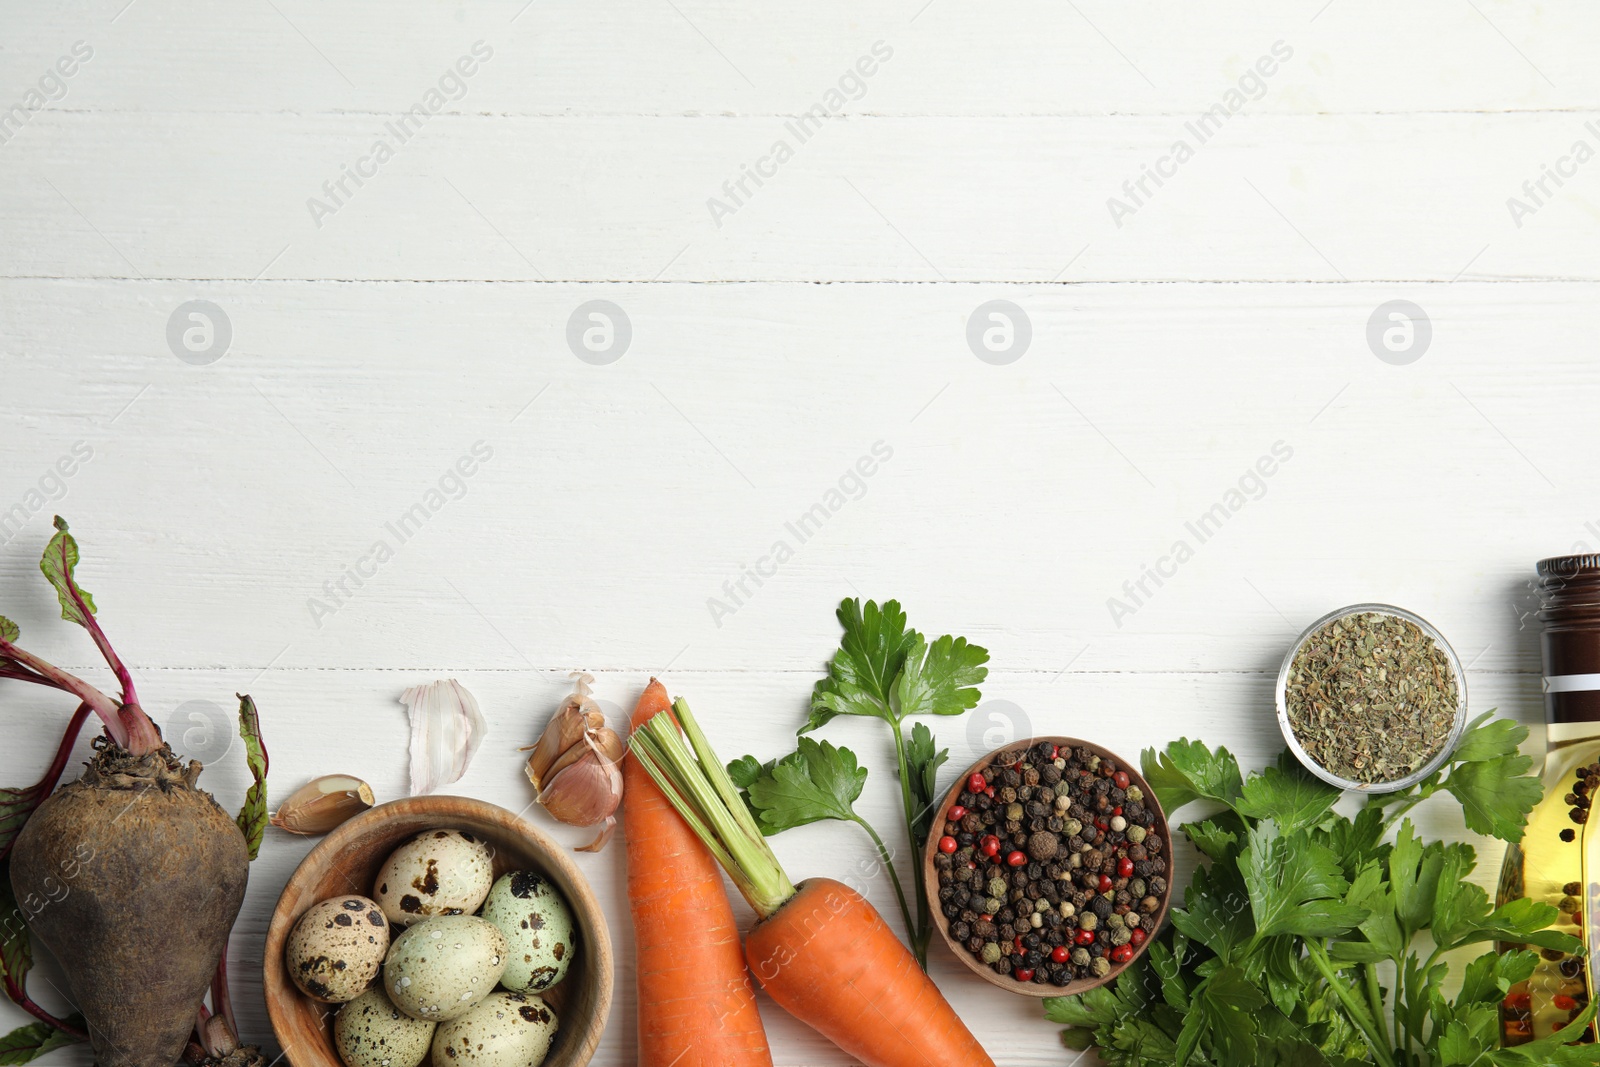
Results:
x,y
783,338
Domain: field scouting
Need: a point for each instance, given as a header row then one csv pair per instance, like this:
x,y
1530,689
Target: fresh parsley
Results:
x,y
883,670
1274,956
814,783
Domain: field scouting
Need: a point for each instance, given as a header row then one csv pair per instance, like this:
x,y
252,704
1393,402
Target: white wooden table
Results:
x,y
1338,156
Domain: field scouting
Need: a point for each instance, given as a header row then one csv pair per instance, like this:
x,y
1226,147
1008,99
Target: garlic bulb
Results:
x,y
575,765
323,803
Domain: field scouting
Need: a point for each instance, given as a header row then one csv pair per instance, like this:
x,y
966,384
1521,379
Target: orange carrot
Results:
x,y
827,956
819,949
697,1007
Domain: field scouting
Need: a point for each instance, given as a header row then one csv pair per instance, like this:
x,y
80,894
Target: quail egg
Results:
x,y
336,948
532,915
506,1030
441,967
371,1032
438,872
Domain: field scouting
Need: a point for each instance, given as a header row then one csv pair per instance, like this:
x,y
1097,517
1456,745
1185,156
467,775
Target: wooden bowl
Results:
x,y
347,861
1009,754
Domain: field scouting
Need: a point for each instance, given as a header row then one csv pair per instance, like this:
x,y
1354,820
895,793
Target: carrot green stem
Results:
x,y
696,784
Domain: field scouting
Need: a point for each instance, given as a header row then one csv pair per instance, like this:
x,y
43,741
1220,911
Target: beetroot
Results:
x,y
132,876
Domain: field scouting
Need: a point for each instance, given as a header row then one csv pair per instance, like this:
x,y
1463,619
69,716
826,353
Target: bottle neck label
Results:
x,y
1572,706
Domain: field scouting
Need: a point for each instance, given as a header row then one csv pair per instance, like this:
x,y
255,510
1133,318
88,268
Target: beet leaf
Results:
x,y
32,1041
253,816
16,951
59,559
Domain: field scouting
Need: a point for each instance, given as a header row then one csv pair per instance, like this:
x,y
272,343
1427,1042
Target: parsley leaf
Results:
x,y
1188,770
816,782
1296,886
941,678
923,760
863,671
1288,794
1496,795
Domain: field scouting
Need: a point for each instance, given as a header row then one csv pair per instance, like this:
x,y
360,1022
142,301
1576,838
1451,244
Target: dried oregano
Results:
x,y
1371,697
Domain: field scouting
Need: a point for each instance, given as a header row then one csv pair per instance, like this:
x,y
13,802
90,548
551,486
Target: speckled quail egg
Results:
x,y
538,928
441,967
438,872
371,1032
506,1030
335,950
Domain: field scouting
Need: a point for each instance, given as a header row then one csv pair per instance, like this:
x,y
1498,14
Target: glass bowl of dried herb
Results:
x,y
1371,698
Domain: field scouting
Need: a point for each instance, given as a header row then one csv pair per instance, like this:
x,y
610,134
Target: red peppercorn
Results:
x,y
1519,1002
1084,937
1120,779
1017,859
989,845
1117,810
1122,954
956,813
989,792
1055,751
1017,944
1137,937
1059,954
1105,883
1125,867
987,917
1023,974
1564,1002
947,844
1101,825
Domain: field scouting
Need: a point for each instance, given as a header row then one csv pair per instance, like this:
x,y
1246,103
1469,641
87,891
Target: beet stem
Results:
x,y
221,1001
52,777
103,705
20,997
102,642
9,669
142,737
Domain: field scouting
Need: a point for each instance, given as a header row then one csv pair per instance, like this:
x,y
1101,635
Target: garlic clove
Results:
x,y
322,804
586,790
446,730
603,838
565,729
610,744
218,1038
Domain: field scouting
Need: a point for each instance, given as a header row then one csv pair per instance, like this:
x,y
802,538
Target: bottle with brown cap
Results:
x,y
1558,860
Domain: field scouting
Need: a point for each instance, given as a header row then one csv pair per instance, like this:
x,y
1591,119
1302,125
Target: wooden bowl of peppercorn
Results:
x,y
1111,821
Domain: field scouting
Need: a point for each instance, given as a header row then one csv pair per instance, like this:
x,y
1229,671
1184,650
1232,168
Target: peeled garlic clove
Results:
x,y
586,790
323,803
446,730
